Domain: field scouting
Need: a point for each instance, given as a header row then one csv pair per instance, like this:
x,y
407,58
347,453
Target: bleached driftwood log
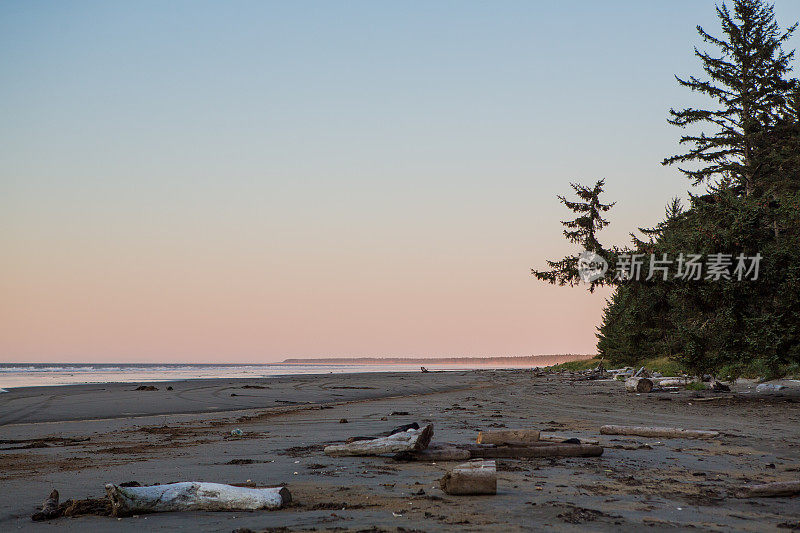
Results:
x,y
642,431
638,385
769,490
193,496
406,441
673,381
554,437
474,477
509,436
541,450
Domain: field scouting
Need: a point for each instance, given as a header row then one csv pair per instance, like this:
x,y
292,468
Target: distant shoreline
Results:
x,y
524,360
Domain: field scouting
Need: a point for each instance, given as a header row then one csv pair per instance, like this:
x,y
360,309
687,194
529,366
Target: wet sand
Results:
x,y
77,438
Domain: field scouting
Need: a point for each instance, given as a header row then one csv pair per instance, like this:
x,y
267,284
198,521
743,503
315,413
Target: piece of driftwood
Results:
x,y
509,436
398,429
642,431
554,437
460,452
638,385
406,441
49,508
542,450
769,490
436,452
673,382
472,478
193,496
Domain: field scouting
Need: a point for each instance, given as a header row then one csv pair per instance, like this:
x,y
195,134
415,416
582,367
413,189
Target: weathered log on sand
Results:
x,y
542,450
406,441
642,431
638,385
193,496
474,477
509,436
49,508
554,437
769,490
674,382
436,452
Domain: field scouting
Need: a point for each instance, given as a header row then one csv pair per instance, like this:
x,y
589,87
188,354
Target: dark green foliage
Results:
x,y
746,79
582,230
748,156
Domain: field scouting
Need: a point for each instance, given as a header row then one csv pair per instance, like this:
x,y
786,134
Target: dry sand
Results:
x,y
184,435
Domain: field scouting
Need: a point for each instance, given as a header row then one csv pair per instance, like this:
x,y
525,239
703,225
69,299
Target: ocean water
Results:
x,y
44,374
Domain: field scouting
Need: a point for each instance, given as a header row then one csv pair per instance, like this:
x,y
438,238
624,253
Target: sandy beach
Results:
x,y
78,438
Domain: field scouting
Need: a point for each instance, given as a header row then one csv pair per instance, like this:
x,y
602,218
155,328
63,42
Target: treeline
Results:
x,y
738,310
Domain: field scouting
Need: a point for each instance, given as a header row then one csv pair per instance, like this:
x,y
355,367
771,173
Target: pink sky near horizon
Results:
x,y
253,181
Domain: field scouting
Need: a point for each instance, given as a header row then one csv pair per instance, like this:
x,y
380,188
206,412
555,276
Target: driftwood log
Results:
x,y
673,382
509,437
638,385
474,477
769,490
49,508
542,450
554,437
436,452
193,496
642,431
406,441
460,452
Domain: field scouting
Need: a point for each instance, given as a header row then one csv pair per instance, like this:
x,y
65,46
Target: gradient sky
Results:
x,y
249,181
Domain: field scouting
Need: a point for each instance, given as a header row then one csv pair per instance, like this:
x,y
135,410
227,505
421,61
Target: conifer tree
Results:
x,y
581,230
747,78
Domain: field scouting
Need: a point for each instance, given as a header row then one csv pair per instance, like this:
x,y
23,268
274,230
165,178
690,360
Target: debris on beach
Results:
x,y
49,508
459,452
769,490
640,385
194,496
769,387
553,437
509,437
644,431
543,449
472,478
146,387
410,440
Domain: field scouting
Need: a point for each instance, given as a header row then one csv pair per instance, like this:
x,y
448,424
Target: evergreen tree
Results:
x,y
747,78
581,230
